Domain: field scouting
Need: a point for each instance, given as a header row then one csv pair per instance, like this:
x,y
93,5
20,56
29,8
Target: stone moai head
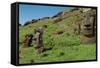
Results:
x,y
40,30
28,40
87,26
28,36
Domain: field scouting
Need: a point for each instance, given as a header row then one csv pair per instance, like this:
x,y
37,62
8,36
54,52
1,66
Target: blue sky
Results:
x,y
29,12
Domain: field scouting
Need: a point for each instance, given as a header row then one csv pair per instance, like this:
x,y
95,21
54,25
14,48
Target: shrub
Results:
x,y
27,23
20,24
34,20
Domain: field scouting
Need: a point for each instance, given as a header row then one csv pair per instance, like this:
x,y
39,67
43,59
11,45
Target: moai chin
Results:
x,y
88,29
38,41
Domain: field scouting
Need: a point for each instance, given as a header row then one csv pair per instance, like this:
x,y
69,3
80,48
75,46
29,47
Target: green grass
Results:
x,y
70,53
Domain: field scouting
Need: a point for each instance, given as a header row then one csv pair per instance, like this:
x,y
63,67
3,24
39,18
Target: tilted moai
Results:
x,y
57,19
38,41
88,29
28,40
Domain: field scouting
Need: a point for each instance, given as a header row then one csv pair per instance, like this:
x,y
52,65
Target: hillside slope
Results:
x,y
59,36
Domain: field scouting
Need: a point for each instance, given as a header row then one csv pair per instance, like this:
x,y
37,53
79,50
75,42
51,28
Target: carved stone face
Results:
x,y
88,26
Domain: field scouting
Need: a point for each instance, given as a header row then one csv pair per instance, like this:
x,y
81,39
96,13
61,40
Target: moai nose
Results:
x,y
87,25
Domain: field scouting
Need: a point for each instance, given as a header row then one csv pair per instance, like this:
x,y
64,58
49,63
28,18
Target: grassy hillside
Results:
x,y
62,47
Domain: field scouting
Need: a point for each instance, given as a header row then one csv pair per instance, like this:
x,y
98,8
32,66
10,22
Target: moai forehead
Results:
x,y
88,20
40,30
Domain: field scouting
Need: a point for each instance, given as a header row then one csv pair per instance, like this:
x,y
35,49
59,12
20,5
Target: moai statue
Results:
x,y
38,41
88,29
27,40
58,19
